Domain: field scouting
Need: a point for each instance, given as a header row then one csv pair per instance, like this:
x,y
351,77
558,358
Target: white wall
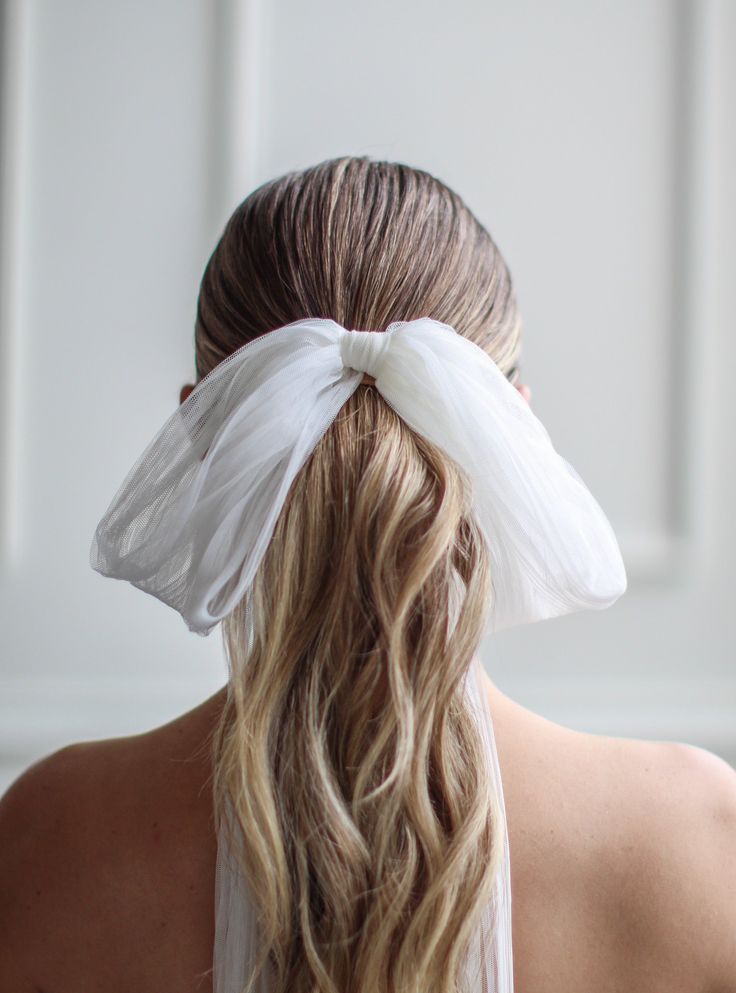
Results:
x,y
593,139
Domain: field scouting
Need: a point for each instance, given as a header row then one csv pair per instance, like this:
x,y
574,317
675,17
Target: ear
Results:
x,y
185,391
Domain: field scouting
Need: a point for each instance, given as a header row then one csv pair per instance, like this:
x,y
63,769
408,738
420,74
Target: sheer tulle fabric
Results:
x,y
194,516
488,965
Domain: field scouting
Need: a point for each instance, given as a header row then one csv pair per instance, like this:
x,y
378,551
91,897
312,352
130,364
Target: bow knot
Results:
x,y
363,350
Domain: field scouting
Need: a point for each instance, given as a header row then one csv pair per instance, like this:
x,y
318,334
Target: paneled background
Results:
x,y
595,141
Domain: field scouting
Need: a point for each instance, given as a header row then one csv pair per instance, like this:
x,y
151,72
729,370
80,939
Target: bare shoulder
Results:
x,y
681,872
92,842
47,805
642,837
45,821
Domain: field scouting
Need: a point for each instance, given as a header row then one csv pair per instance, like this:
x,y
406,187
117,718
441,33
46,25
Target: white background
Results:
x,y
594,138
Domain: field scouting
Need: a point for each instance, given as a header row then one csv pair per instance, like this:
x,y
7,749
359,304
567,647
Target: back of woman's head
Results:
x,y
357,773
365,243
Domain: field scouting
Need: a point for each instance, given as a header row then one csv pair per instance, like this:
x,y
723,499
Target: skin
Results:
x,y
623,862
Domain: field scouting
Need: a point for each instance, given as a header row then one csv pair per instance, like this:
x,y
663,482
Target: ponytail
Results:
x,y
355,770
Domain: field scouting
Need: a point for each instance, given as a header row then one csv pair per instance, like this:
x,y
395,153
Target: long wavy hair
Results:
x,y
366,815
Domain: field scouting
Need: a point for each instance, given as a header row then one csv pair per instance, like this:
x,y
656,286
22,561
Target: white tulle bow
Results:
x,y
193,518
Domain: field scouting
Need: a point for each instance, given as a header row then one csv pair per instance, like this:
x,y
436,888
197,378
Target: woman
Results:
x,y
623,853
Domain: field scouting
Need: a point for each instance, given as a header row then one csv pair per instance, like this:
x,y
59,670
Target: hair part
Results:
x,y
367,816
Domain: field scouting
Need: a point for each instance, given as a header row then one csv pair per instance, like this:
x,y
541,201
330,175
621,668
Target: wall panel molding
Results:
x,y
14,38
657,557
237,67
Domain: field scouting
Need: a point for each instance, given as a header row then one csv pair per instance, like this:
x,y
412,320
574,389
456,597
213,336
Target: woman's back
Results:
x,y
357,539
623,863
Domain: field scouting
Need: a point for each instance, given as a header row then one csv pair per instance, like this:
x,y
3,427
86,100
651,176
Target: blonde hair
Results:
x,y
354,768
